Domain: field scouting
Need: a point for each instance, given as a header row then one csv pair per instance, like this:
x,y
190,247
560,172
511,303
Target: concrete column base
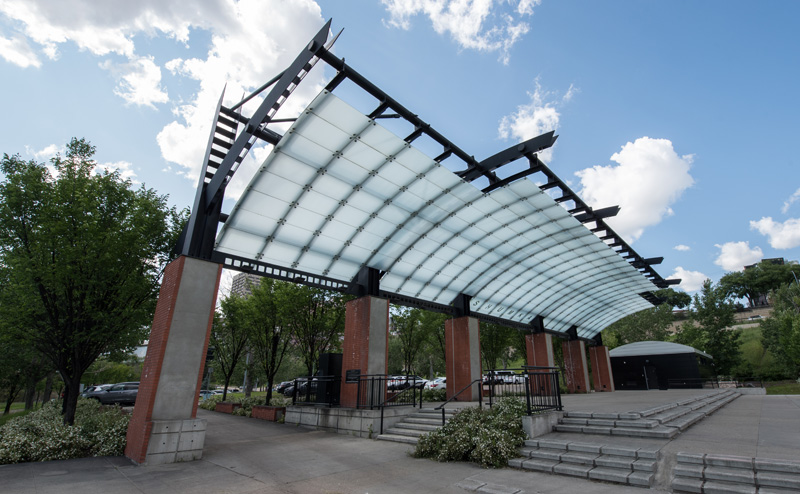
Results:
x,y
602,378
463,357
576,370
172,441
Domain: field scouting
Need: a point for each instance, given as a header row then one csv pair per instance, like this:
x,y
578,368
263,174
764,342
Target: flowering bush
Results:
x,y
487,437
247,403
41,435
210,403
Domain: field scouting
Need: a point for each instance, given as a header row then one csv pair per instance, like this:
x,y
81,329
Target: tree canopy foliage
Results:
x,y
646,325
753,284
708,327
781,331
82,254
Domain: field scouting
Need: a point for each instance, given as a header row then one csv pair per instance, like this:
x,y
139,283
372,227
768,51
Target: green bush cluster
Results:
x,y
439,394
487,437
247,403
211,402
42,435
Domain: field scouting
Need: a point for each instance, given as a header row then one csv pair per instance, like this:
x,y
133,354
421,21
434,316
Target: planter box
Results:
x,y
226,407
263,412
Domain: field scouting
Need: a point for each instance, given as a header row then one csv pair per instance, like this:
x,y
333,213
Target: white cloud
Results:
x,y
784,235
138,81
682,248
251,41
104,28
16,50
734,256
794,198
125,170
46,153
482,25
691,281
649,177
570,93
538,116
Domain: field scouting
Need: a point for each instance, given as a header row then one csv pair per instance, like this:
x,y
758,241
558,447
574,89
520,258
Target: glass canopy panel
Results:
x,y
340,191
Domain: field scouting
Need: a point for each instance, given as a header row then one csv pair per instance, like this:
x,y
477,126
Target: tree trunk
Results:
x,y
48,388
71,393
30,393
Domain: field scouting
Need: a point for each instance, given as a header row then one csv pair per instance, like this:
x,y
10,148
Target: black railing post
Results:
x,y
527,393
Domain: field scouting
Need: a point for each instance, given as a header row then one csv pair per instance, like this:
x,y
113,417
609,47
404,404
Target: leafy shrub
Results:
x,y
211,402
487,437
439,394
41,435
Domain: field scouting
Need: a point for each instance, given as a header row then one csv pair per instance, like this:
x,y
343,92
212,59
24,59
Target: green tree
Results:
x,y
756,282
412,334
674,298
782,329
228,339
496,343
646,325
315,318
84,254
708,328
265,314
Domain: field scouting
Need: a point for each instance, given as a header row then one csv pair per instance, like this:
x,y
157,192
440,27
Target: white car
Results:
x,y
438,383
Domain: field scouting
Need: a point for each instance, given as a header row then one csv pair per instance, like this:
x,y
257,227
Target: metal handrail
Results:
x,y
480,397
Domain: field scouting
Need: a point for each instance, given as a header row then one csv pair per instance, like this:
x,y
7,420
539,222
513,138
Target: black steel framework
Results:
x,y
233,135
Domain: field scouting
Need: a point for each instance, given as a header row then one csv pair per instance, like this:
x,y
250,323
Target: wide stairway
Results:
x,y
412,426
603,446
661,422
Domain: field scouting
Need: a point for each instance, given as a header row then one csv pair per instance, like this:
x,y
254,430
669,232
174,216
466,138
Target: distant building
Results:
x,y
243,284
659,365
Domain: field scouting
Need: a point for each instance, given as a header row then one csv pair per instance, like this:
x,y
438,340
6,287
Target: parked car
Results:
x,y
117,394
206,394
302,386
438,383
280,388
403,382
94,389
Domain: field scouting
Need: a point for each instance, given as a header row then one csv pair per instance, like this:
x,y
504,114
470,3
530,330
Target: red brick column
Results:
x,y
172,372
539,354
462,357
602,376
365,346
540,349
575,369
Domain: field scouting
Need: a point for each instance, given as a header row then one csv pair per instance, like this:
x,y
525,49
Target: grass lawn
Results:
x,y
6,418
783,388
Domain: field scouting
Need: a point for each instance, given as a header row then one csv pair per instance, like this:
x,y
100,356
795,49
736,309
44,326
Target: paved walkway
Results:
x,y
251,456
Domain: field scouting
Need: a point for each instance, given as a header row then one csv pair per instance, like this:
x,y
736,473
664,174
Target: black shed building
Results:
x,y
659,365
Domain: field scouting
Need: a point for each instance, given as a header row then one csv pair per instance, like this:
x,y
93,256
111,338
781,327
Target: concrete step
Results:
x,y
640,423
685,421
397,438
423,421
594,461
671,414
399,431
417,427
659,432
718,473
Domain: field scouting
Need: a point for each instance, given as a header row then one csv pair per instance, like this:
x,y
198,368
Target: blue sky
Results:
x,y
683,113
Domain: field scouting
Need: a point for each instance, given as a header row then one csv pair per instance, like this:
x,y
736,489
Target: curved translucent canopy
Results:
x,y
340,191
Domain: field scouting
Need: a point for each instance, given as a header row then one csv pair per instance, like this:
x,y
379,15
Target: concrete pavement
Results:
x,y
251,456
